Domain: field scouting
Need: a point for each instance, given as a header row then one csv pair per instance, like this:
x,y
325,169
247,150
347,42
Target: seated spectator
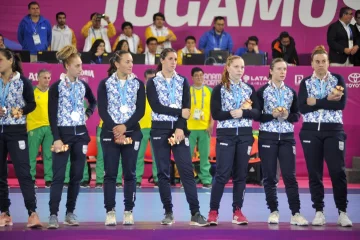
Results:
x,y
97,50
150,53
216,38
190,47
284,47
94,30
122,45
163,35
134,42
251,46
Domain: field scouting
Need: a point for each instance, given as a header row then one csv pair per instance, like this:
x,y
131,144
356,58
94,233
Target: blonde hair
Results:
x,y
225,81
66,54
320,49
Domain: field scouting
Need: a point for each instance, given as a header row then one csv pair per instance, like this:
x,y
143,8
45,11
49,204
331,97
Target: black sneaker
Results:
x,y
169,219
47,184
207,186
119,185
138,185
84,185
198,220
98,185
66,185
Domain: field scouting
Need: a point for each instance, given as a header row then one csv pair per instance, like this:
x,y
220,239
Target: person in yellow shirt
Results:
x,y
163,35
190,47
38,127
94,30
201,124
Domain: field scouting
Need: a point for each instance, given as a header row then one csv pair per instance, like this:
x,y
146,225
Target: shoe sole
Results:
x,y
213,223
240,223
348,225
318,224
298,224
171,223
128,223
71,224
198,224
37,225
111,224
272,222
7,224
53,227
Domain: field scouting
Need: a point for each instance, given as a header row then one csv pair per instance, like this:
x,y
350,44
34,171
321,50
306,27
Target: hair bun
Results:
x,y
66,52
319,48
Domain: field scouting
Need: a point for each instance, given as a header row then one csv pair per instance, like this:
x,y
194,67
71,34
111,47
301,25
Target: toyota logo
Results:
x,y
354,78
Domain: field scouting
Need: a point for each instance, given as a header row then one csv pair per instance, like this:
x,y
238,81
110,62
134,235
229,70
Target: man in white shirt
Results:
x,y
135,44
343,45
150,54
62,35
94,30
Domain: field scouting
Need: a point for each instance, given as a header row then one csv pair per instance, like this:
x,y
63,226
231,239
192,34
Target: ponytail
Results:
x,y
225,78
16,64
163,55
66,54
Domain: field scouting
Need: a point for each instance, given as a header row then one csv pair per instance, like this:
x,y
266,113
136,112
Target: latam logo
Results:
x,y
255,80
354,79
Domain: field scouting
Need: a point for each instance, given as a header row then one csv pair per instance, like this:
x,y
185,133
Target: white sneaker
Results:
x,y
128,218
344,220
319,219
298,220
110,218
274,217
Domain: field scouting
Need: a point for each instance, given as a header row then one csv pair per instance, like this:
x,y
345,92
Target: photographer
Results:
x,y
94,30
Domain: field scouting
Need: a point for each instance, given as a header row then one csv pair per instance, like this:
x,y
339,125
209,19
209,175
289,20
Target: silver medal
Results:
x,y
173,105
75,116
124,109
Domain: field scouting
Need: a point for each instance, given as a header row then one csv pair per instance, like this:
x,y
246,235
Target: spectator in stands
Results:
x,y
34,32
216,38
284,47
343,45
2,43
357,36
150,53
134,42
15,92
62,35
163,35
94,30
122,45
190,47
38,128
251,46
97,50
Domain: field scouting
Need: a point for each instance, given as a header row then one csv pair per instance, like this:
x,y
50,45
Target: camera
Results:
x,y
100,16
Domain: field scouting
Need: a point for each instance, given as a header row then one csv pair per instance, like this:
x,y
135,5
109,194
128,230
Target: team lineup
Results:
x,y
175,117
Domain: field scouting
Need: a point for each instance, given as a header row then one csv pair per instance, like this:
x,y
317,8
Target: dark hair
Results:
x,y
163,55
218,18
116,58
190,38
159,14
150,39
357,13
319,50
126,24
284,35
252,38
16,65
44,70
95,45
120,44
273,62
149,71
196,69
1,35
225,81
33,3
66,54
91,16
60,13
343,10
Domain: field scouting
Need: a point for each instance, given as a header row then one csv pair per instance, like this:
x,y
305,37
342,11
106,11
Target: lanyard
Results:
x,y
122,91
4,91
214,40
237,94
148,59
171,89
202,96
133,40
99,59
34,26
92,29
280,97
321,88
73,94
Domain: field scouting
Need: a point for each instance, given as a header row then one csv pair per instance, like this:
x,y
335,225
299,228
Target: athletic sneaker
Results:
x,y
344,220
128,218
319,219
5,220
239,218
169,219
53,222
119,185
274,217
70,219
34,221
207,186
298,220
98,185
84,185
47,184
213,218
198,220
110,218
